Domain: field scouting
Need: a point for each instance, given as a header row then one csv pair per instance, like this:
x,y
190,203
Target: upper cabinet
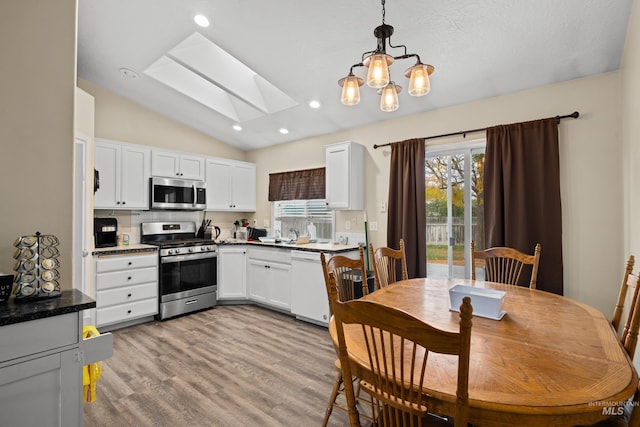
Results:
x,y
345,176
122,179
172,164
231,185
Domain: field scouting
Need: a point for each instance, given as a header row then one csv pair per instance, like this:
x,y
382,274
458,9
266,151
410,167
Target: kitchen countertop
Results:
x,y
310,247
70,301
124,249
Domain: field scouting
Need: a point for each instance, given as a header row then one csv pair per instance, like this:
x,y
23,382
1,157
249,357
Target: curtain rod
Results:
x,y
573,115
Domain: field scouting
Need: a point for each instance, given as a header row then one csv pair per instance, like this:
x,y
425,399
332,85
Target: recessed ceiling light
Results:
x,y
284,131
237,127
314,104
129,73
201,20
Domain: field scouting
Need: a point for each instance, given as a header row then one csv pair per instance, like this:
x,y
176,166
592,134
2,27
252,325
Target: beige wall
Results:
x,y
630,130
591,159
38,69
630,135
119,119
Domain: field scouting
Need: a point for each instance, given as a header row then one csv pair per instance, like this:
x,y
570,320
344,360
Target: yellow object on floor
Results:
x,y
90,373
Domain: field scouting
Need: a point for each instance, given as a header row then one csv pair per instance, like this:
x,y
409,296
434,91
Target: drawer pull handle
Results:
x,y
130,263
129,296
129,278
128,311
193,301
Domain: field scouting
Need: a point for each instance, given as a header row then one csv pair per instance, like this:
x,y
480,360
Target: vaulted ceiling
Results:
x,y
260,63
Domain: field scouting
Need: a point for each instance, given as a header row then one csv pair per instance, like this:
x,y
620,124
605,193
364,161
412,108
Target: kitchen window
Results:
x,y
299,214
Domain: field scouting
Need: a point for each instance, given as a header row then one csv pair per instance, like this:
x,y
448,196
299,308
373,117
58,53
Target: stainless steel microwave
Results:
x,y
178,194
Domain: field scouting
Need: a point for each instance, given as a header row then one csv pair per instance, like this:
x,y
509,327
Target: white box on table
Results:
x,y
485,302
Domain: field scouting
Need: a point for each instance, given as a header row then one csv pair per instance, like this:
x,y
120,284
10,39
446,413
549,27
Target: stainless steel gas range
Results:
x,y
188,267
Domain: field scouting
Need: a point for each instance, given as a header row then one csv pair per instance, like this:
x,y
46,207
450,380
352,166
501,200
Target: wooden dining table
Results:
x,y
550,361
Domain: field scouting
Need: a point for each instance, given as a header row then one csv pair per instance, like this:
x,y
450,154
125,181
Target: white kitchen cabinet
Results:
x,y
172,164
269,277
345,176
126,288
231,185
232,273
123,173
41,368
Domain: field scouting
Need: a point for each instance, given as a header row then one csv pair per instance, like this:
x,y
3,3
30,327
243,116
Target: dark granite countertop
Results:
x,y
70,301
309,247
124,250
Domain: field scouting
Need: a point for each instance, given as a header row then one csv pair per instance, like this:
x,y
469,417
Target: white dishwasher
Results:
x,y
309,300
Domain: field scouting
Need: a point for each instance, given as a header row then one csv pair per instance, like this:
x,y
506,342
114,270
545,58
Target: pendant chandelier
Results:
x,y
378,77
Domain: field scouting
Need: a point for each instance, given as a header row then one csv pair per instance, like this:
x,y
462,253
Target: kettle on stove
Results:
x,y
212,232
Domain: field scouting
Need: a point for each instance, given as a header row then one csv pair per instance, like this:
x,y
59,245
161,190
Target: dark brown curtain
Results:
x,y
522,194
407,217
297,185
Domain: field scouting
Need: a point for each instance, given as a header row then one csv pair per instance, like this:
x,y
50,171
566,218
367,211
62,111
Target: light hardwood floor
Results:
x,y
237,365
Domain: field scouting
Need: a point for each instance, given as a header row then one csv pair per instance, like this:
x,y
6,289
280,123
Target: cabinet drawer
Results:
x,y
126,278
125,262
124,312
35,336
126,294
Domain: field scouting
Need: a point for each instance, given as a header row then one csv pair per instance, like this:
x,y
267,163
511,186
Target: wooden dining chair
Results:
x,y
629,334
398,345
504,265
622,295
339,274
386,262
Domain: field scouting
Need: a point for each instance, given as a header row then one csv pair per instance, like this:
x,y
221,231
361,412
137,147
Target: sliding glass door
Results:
x,y
454,207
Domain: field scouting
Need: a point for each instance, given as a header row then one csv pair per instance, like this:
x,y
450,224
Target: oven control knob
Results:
x,y
176,251
190,249
203,248
209,248
170,251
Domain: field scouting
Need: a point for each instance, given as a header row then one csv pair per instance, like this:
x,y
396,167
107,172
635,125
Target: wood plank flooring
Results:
x,y
236,365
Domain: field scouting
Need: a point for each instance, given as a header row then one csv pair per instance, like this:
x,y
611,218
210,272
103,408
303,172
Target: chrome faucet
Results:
x,y
294,231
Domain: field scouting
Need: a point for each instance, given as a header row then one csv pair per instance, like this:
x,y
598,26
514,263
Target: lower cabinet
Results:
x,y
41,370
232,273
269,277
126,288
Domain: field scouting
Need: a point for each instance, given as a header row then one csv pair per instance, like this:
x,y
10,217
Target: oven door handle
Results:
x,y
187,257
195,200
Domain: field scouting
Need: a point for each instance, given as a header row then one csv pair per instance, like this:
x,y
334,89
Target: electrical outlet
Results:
x,y
373,226
347,225
265,223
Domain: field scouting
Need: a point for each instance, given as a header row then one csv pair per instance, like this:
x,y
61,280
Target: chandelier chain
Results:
x,y
384,12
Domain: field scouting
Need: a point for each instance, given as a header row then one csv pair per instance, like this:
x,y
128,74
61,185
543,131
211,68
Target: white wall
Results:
x,y
38,69
590,156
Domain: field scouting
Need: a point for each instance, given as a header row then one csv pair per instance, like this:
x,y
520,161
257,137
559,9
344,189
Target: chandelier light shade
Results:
x,y
350,89
379,77
389,97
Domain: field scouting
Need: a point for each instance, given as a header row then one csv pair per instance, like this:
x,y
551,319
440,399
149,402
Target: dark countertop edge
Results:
x,y
123,251
292,247
70,301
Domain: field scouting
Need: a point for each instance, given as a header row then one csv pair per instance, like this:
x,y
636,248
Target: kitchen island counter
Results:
x,y
70,301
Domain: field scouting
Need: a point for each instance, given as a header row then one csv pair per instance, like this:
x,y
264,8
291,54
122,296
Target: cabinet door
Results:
x,y
134,188
337,176
107,163
232,273
218,178
192,167
46,391
243,187
165,163
279,279
258,280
